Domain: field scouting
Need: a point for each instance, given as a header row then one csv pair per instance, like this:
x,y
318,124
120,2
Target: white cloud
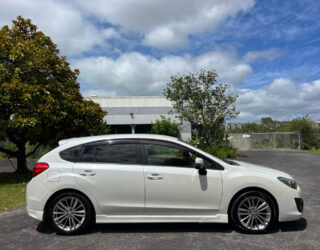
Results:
x,y
165,38
166,23
60,20
269,54
282,99
78,26
138,74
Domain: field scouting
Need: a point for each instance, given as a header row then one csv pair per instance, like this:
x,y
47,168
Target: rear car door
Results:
x,y
112,172
173,184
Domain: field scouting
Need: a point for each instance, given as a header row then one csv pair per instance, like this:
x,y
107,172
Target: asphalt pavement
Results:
x,y
18,231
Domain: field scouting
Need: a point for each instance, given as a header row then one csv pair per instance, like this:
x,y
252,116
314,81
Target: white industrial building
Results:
x,y
136,114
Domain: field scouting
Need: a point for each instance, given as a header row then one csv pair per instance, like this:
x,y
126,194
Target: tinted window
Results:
x,y
70,154
88,154
117,153
167,156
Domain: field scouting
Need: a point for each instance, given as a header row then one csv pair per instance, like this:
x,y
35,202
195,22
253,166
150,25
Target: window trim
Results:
x,y
217,166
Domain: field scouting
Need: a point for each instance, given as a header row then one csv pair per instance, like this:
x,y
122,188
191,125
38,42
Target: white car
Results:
x,y
152,178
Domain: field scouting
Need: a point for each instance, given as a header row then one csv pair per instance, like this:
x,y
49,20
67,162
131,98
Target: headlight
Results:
x,y
289,182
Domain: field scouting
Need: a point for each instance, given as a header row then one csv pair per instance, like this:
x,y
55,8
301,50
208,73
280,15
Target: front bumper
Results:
x,y
290,205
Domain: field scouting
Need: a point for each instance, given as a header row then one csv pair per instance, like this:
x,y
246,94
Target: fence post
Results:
x,y
274,140
299,141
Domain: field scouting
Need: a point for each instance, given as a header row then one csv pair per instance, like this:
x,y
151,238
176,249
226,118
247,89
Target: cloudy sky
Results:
x,y
268,51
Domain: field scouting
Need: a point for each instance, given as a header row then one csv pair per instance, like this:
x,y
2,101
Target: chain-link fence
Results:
x,y
277,140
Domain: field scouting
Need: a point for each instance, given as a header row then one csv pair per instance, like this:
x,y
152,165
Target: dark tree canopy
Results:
x,y
200,100
40,100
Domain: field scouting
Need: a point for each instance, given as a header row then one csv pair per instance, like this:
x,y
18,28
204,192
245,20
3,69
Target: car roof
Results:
x,y
87,139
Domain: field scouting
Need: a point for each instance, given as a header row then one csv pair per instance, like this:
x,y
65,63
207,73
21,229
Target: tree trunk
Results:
x,y
21,159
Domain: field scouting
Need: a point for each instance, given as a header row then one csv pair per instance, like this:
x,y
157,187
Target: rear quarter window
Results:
x,y
70,154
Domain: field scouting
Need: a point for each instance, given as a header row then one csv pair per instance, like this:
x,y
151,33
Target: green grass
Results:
x,y
13,189
312,151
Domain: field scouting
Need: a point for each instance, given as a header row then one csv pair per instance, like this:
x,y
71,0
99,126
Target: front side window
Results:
x,y
168,156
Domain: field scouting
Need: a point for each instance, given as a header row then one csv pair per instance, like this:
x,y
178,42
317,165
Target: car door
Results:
x,y
112,172
173,184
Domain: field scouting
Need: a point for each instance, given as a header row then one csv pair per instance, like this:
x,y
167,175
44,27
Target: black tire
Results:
x,y
86,219
239,217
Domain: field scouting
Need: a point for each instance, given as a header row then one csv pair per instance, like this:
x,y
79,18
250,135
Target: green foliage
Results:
x,y
222,150
166,127
309,133
201,101
40,101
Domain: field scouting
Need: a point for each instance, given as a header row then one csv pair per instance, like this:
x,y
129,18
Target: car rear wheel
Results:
x,y
70,213
253,212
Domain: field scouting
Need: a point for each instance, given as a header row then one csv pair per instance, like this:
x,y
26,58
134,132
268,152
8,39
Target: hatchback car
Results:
x,y
153,178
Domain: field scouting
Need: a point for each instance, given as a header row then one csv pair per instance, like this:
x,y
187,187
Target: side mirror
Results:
x,y
200,165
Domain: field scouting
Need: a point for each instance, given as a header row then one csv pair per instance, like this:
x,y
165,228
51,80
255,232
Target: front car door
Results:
x,y
112,172
173,184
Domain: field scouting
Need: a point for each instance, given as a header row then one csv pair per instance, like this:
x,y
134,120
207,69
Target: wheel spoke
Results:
x,y
69,213
254,213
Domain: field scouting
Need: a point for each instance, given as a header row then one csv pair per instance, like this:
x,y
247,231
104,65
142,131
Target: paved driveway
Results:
x,y
18,231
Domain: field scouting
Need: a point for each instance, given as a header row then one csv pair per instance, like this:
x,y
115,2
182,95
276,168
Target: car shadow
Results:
x,y
299,225
292,226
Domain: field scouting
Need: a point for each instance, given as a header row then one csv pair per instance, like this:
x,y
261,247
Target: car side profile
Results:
x,y
153,178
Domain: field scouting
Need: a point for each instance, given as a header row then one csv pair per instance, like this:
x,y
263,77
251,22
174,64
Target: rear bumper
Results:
x,y
35,214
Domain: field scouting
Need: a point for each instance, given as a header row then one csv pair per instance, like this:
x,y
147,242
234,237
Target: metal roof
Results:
x,y
131,101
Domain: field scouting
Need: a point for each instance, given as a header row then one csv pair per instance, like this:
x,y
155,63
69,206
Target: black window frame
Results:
x,y
216,165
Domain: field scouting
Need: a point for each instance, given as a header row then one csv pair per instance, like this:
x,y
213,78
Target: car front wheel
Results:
x,y
70,213
253,212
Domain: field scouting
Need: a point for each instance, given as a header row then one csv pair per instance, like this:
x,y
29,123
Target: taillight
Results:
x,y
39,168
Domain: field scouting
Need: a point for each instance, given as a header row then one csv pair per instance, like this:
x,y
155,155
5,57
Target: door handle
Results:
x,y
154,177
88,173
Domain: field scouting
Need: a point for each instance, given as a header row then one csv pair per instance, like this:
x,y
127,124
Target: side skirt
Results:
x,y
219,218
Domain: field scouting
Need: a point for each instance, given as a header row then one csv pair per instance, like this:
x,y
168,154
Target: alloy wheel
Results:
x,y
254,213
69,213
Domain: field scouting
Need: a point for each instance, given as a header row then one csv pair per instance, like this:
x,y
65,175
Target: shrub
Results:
x,y
166,127
222,150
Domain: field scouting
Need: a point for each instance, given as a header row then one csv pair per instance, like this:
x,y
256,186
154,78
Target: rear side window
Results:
x,y
88,154
70,154
117,153
110,153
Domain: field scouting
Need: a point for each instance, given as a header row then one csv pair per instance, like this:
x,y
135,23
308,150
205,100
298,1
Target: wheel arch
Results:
x,y
65,190
247,189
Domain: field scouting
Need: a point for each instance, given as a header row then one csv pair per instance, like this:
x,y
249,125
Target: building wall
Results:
x,y
134,110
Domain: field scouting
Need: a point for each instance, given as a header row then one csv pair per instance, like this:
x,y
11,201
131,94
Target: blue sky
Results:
x,y
267,51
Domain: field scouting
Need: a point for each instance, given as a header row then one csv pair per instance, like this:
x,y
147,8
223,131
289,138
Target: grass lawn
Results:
x,y
13,190
312,151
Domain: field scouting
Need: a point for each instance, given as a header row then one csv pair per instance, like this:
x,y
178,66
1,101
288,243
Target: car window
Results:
x,y
70,154
88,154
167,156
117,153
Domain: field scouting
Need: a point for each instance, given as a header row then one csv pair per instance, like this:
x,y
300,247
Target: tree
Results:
x,y
201,101
166,127
40,101
269,124
309,133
